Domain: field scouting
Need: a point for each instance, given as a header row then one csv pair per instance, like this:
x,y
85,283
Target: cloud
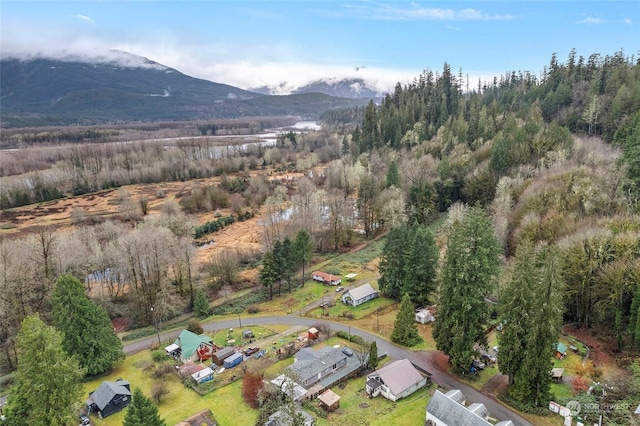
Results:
x,y
627,21
395,12
589,20
85,19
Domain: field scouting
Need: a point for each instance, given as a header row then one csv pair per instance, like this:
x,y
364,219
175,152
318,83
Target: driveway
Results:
x,y
423,359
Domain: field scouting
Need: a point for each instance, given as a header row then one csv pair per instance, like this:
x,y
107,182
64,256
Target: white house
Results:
x,y
325,278
449,410
395,380
357,296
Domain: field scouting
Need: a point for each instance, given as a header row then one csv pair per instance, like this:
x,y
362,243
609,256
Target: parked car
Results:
x,y
478,365
251,350
340,288
84,420
347,351
489,358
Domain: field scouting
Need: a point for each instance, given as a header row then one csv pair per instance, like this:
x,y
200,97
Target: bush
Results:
x,y
193,325
162,370
159,355
158,390
253,309
251,386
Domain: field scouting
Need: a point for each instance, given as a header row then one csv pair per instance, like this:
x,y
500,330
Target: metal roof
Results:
x,y
106,391
361,292
398,375
190,342
451,413
308,367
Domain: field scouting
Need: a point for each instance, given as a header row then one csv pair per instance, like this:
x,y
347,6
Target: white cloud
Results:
x,y
627,21
589,20
84,19
414,11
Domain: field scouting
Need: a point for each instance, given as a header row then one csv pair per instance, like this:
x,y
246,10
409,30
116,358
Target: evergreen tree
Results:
x,y
345,145
86,328
142,411
468,276
405,331
532,309
47,382
408,263
303,246
201,304
269,272
373,355
393,177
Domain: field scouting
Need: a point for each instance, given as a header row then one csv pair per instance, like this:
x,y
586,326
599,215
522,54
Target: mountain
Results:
x,y
355,88
131,88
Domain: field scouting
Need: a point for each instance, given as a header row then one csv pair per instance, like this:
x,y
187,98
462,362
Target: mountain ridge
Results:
x,y
133,88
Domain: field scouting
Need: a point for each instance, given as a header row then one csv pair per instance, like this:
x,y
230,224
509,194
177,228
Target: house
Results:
x,y
359,295
324,278
395,380
203,376
329,400
109,398
425,315
556,374
446,410
310,366
220,355
561,351
193,347
233,360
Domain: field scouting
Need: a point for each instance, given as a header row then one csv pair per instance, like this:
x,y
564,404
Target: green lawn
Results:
x,y
221,337
482,378
225,403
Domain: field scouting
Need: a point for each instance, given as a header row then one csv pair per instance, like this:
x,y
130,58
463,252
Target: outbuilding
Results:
x,y
233,360
109,398
329,400
220,355
359,295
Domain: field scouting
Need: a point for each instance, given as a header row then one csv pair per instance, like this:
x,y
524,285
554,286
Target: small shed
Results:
x,y
561,351
220,355
329,400
350,277
556,374
425,315
203,376
233,360
313,333
247,334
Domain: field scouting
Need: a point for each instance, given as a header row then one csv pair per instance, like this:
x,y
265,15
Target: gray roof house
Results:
x,y
310,366
359,295
109,398
445,410
395,380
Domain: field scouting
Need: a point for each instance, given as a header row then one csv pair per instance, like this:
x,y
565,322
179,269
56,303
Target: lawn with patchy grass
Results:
x,y
482,378
225,403
221,337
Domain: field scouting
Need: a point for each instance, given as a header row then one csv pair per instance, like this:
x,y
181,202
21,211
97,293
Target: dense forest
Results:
x,y
550,163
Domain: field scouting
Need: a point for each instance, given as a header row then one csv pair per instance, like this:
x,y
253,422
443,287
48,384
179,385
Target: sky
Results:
x,y
289,43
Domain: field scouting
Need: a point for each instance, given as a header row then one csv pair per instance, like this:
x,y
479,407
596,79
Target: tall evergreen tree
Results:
x,y
408,263
303,246
201,304
469,273
393,177
269,272
405,331
47,382
532,378
142,411
373,355
86,328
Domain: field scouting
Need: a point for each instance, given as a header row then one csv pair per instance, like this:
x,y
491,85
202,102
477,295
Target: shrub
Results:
x,y
159,355
161,371
193,325
251,385
253,309
158,390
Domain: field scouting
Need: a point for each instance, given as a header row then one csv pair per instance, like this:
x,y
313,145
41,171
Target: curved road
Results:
x,y
419,358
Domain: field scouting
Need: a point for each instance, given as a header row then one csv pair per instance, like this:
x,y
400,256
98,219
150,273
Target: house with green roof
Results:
x,y
561,351
192,347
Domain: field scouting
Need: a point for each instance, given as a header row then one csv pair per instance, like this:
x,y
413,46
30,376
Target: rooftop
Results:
x,y
362,291
398,375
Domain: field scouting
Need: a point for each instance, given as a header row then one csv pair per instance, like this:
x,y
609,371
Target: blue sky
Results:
x,y
250,43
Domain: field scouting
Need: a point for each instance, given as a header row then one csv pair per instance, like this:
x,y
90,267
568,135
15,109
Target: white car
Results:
x,y
339,289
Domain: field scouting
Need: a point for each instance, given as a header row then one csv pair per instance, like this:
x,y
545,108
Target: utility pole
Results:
x,y
155,324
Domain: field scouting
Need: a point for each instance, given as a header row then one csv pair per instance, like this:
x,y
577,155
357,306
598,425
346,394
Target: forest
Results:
x,y
549,164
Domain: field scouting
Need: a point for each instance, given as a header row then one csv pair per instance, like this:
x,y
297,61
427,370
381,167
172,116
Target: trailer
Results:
x,y
233,360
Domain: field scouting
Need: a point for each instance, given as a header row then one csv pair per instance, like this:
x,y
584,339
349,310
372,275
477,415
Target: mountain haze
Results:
x,y
71,91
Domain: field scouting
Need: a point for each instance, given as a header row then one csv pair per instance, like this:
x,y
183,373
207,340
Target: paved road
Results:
x,y
422,359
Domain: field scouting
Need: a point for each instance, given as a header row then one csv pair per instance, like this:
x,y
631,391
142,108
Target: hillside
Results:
x,y
47,92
